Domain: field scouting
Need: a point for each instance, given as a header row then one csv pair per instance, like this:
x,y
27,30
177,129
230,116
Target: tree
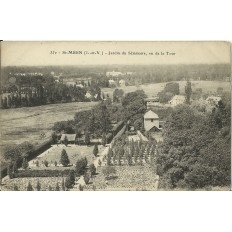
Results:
x,y
117,95
66,141
55,163
64,160
57,188
92,169
38,186
99,162
70,180
15,187
10,171
95,150
108,171
49,188
87,138
81,165
25,163
188,91
104,139
63,185
86,177
29,187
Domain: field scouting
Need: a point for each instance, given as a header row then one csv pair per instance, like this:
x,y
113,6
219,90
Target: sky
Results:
x,y
52,53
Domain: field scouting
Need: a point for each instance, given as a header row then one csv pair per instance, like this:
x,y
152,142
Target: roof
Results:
x,y
70,137
151,114
152,99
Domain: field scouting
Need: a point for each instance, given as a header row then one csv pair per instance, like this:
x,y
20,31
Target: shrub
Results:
x,y
95,150
64,160
15,187
92,169
46,163
37,163
57,188
81,188
29,187
81,166
41,173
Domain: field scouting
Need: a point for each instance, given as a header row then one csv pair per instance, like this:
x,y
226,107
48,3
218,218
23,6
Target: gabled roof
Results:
x,y
150,114
70,137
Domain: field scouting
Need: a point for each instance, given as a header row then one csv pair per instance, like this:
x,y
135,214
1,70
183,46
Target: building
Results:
x,y
177,100
122,82
71,138
151,121
114,74
152,101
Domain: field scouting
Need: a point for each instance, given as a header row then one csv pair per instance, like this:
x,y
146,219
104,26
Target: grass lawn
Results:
x,y
126,178
28,123
74,152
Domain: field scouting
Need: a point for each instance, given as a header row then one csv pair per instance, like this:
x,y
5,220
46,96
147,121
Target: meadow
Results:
x,y
152,90
34,124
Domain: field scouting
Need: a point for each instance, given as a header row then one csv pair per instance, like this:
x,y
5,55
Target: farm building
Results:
x,y
177,100
70,137
151,121
152,101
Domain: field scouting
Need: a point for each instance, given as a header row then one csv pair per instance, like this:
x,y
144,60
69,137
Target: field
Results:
x,y
34,124
126,178
74,152
153,89
8,184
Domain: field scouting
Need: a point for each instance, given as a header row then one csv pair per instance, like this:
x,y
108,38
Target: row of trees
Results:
x,y
131,152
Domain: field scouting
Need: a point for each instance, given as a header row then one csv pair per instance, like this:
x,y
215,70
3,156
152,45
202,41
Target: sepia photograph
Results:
x,y
115,116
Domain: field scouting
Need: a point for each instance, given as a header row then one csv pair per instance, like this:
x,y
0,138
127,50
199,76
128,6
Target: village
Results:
x,y
117,145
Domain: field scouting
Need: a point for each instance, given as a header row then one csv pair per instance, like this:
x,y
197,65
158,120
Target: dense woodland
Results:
x,y
196,150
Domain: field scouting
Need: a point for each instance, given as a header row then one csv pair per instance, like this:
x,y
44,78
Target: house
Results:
x,y
122,82
213,100
71,138
177,100
151,121
88,95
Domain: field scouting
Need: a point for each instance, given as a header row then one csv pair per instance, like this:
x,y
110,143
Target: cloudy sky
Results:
x,y
39,53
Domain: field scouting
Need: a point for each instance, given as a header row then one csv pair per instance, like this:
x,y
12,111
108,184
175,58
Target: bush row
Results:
x,y
41,173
